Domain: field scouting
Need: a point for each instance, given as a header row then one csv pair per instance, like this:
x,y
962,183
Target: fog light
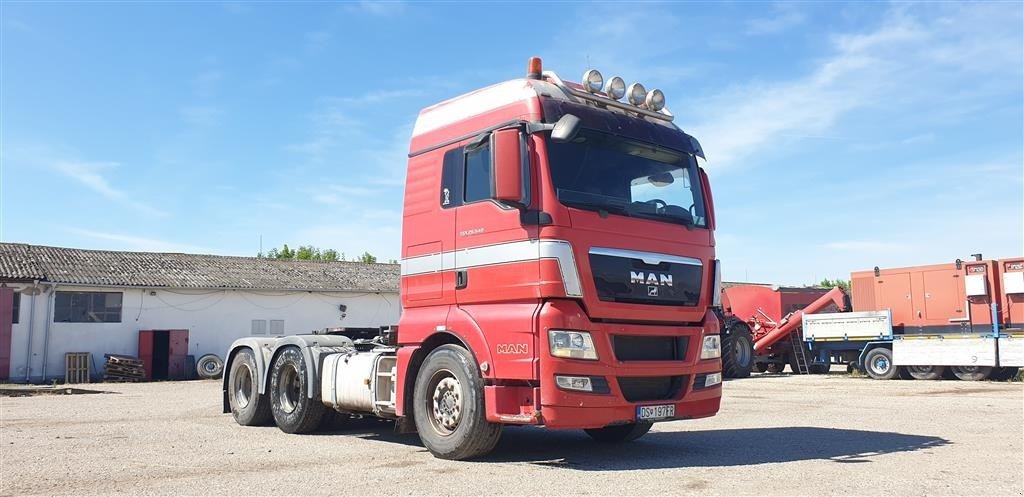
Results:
x,y
712,379
636,94
578,383
593,81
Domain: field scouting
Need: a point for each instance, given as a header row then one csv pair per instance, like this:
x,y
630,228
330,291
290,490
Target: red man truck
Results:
x,y
557,269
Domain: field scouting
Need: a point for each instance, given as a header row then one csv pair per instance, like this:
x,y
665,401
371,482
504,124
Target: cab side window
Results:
x,y
479,174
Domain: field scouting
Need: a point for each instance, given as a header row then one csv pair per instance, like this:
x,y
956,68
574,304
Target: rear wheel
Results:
x,y
878,364
925,372
775,367
294,411
760,367
819,368
971,373
619,433
248,407
1003,374
737,350
449,408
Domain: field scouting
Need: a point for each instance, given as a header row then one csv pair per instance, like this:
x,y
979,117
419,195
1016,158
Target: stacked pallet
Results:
x,y
123,368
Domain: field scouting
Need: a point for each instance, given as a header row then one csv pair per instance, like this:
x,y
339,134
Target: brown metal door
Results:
x,y
146,352
6,322
176,351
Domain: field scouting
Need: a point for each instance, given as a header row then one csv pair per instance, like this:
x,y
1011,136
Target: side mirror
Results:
x,y
566,128
709,201
508,165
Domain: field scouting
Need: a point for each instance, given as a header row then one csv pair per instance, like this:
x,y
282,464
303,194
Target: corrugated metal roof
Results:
x,y
20,261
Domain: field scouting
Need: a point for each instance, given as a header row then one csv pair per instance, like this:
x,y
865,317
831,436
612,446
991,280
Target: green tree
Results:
x,y
843,284
367,258
311,253
308,253
330,255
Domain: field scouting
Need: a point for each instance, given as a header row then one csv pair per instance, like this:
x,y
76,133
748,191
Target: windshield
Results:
x,y
602,172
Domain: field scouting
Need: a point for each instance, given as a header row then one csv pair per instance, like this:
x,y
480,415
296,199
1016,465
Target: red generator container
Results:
x,y
955,297
1011,303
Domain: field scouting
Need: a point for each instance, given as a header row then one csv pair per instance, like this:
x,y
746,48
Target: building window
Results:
x,y
87,307
277,327
259,326
17,307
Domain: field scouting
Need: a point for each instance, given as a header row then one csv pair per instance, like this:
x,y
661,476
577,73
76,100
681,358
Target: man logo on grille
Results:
x,y
652,291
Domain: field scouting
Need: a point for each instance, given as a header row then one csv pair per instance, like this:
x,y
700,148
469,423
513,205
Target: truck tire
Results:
x,y
925,372
209,367
248,407
819,368
1003,374
775,367
448,406
971,373
737,350
878,364
760,367
619,433
293,410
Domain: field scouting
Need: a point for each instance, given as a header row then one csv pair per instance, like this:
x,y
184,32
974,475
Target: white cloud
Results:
x,y
905,62
137,243
786,16
91,174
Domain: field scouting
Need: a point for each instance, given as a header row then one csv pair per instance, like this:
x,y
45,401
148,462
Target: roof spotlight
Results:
x,y
636,93
655,100
615,88
592,81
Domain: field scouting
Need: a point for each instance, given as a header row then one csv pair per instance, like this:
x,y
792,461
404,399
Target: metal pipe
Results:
x,y
31,330
789,324
46,329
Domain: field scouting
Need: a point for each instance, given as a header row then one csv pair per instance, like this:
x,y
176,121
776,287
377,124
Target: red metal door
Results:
x,y
6,320
176,351
146,351
943,296
894,293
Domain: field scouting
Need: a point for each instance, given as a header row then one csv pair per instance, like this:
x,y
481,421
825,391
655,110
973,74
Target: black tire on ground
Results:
x,y
971,373
925,372
737,350
878,364
209,367
775,367
294,411
1003,374
448,406
248,407
760,367
619,433
818,368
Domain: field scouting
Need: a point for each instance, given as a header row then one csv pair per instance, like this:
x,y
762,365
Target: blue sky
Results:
x,y
839,136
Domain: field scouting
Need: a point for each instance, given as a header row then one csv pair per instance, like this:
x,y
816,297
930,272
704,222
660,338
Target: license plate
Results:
x,y
656,412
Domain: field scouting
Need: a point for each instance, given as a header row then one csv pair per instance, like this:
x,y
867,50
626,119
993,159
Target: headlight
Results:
x,y
572,344
711,348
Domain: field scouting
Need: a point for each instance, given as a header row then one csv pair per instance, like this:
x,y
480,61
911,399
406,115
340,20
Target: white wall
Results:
x,y
214,319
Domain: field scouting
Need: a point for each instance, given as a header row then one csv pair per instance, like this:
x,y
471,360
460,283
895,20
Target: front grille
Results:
x,y
649,348
648,388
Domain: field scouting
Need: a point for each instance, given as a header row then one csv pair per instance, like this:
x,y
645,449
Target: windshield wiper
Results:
x,y
685,221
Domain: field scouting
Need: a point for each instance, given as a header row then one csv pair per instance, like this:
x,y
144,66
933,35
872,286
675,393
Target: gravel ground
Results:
x,y
775,435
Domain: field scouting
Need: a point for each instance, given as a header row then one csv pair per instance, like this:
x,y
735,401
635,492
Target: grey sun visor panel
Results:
x,y
613,122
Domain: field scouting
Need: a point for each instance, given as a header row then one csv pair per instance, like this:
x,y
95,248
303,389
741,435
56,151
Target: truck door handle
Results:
x,y
461,279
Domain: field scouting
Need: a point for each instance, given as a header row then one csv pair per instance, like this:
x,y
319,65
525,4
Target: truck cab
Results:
x,y
566,239
557,269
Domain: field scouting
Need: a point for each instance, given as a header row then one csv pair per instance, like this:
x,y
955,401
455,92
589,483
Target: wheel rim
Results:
x,y
741,352
921,369
445,402
968,369
243,385
289,388
880,364
210,367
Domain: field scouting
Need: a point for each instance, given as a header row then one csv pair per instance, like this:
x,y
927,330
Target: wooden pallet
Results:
x,y
77,367
123,368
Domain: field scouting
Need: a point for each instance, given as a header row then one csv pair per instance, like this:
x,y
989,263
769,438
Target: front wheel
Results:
x,y
878,364
737,350
619,433
971,373
449,406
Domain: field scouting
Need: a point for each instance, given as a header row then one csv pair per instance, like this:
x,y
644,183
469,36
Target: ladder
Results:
x,y
799,352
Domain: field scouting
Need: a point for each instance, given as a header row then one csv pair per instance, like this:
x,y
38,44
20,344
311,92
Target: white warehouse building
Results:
x,y
62,300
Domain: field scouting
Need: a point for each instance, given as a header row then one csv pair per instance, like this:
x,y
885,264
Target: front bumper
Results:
x,y
573,409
